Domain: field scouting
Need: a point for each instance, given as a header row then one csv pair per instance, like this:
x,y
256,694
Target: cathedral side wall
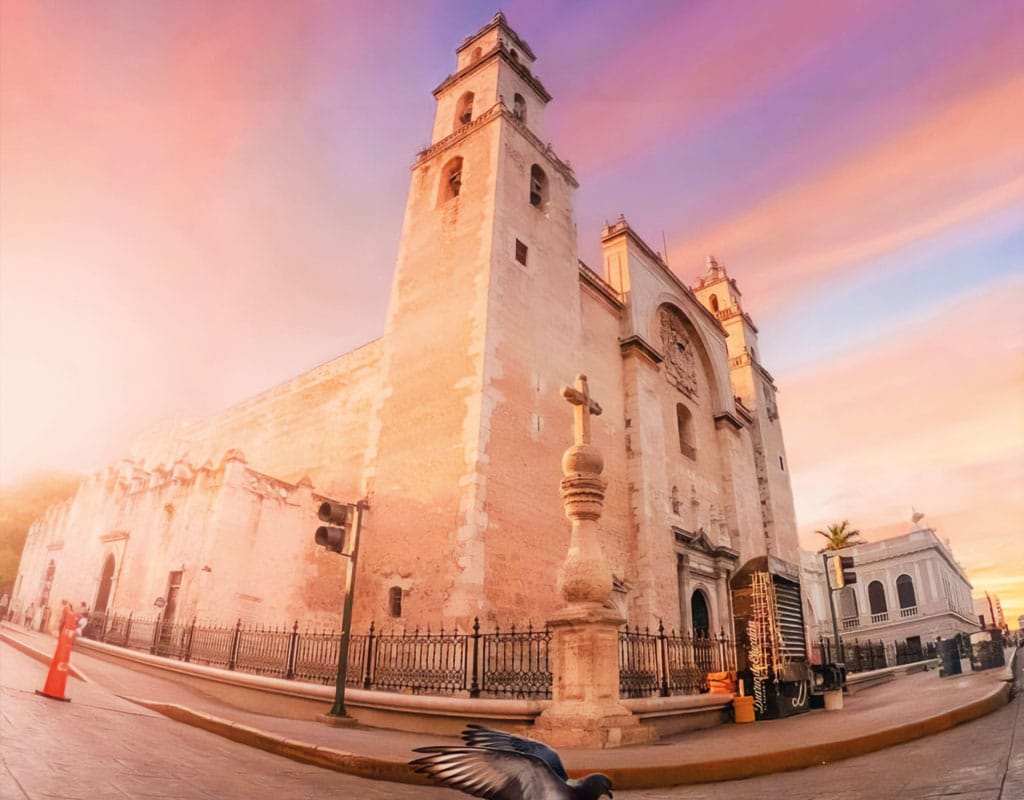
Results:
x,y
314,425
221,529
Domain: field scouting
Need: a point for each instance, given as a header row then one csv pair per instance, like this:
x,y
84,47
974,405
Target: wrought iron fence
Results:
x,y
503,663
867,655
506,662
664,664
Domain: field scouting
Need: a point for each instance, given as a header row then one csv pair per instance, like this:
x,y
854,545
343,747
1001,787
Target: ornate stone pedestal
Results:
x,y
585,711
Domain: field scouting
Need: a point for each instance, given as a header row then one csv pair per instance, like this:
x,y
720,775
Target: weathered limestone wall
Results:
x,y
314,425
424,532
533,329
228,530
602,363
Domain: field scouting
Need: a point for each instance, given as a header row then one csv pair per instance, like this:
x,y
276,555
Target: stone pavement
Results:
x,y
901,710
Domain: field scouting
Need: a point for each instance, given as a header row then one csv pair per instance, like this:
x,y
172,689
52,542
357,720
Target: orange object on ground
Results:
x,y
743,709
57,677
722,682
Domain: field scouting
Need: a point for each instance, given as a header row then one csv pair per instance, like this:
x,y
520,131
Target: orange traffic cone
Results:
x,y
57,677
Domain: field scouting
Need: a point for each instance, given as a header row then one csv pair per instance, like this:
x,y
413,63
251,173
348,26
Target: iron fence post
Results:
x,y
188,642
156,633
663,651
474,684
233,657
368,657
128,630
293,652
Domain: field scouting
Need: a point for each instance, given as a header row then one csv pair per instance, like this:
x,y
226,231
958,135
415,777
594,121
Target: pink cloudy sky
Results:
x,y
200,199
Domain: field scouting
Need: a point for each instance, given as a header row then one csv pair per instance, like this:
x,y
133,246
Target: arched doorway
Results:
x,y
106,581
700,617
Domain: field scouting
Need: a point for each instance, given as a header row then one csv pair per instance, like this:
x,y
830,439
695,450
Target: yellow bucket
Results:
x,y
743,709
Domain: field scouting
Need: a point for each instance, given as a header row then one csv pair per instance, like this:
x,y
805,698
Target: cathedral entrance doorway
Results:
x,y
106,581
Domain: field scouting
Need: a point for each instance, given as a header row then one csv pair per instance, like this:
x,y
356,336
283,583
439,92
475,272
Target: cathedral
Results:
x,y
451,426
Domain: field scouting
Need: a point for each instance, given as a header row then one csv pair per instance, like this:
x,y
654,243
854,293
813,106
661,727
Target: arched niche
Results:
x,y
685,348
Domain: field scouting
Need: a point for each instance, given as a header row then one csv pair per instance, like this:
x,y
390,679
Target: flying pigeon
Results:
x,y
496,765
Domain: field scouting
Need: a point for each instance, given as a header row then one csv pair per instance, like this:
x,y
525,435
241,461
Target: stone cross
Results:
x,y
584,407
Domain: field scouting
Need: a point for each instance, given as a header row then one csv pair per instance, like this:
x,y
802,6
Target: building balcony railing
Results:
x,y
908,612
851,623
882,616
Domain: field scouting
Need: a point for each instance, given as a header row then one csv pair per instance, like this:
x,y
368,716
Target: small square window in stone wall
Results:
x,y
521,250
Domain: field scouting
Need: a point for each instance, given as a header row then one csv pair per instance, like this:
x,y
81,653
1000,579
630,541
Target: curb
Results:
x,y
39,655
642,777
380,769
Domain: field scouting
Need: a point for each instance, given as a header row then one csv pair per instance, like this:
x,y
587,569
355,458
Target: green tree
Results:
x,y
840,535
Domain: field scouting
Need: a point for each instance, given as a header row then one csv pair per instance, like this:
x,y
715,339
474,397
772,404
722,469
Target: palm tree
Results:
x,y
840,535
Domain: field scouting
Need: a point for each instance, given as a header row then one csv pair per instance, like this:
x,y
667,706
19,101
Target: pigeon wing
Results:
x,y
491,739
491,774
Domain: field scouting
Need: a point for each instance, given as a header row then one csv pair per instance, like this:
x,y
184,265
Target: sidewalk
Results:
x,y
898,711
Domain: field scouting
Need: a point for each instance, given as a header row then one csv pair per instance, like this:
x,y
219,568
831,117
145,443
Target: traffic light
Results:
x,y
842,571
335,535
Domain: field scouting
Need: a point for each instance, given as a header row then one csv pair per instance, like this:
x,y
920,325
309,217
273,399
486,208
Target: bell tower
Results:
x,y
755,388
482,329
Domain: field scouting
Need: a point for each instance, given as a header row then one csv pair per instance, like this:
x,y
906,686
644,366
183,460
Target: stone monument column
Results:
x,y
585,710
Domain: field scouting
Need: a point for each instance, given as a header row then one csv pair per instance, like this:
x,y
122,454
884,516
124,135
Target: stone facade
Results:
x,y
907,586
451,425
214,543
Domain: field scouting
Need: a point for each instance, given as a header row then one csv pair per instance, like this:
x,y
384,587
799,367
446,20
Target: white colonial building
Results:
x,y
909,589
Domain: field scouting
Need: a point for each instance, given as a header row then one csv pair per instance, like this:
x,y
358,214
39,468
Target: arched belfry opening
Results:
x,y
464,110
538,187
106,582
519,107
451,180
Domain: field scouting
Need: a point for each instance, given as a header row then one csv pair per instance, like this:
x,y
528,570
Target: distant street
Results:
x,y
99,746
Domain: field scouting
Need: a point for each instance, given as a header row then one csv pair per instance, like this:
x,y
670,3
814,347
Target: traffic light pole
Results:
x,y
838,656
338,710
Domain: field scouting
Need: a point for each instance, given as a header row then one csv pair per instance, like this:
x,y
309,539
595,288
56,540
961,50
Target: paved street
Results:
x,y
99,746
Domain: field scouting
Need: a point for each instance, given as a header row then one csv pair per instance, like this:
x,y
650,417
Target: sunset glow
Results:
x,y
200,200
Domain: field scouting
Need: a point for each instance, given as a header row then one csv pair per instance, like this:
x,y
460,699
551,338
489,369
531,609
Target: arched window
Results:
x,y
451,180
714,302
905,593
395,601
477,52
538,187
684,422
700,617
876,599
519,107
464,109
